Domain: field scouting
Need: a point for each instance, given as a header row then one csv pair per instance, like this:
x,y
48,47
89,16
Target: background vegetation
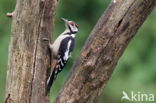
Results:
x,y
136,70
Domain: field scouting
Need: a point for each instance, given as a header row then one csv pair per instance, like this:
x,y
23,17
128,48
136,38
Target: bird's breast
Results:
x,y
56,44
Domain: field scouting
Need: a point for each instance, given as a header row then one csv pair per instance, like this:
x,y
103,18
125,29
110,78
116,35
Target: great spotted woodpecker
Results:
x,y
61,50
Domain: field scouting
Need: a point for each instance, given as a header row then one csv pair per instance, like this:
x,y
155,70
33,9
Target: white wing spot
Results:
x,y
59,69
57,66
66,56
56,72
62,63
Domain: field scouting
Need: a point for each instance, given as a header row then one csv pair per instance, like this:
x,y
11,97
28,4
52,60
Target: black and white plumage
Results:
x,y
62,49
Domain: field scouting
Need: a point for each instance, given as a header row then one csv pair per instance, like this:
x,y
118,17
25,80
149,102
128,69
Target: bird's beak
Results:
x,y
65,20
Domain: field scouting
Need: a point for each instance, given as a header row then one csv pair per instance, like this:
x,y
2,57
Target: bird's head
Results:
x,y
71,26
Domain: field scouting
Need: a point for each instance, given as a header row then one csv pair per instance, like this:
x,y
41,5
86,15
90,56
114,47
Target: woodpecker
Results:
x,y
61,50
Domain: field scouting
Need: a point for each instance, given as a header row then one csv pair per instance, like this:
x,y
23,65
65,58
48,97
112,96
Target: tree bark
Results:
x,y
28,53
104,47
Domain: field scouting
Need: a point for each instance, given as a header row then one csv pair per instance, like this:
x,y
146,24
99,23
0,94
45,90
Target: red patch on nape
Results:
x,y
74,24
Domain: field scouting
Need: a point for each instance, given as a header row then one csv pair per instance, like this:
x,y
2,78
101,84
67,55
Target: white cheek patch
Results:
x,y
73,28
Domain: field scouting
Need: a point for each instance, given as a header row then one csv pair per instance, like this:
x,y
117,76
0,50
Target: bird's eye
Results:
x,y
72,24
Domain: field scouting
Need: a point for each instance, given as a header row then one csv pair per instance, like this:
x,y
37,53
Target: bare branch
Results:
x,y
104,47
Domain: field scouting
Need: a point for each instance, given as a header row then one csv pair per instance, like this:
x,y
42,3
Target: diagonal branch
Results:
x,y
105,45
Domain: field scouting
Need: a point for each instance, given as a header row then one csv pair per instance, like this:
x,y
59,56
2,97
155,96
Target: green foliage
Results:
x,y
135,70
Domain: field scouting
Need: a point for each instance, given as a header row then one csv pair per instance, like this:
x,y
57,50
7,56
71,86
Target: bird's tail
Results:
x,y
58,68
50,82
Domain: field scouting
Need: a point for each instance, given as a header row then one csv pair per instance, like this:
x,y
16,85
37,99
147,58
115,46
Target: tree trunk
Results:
x,y
104,47
28,53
